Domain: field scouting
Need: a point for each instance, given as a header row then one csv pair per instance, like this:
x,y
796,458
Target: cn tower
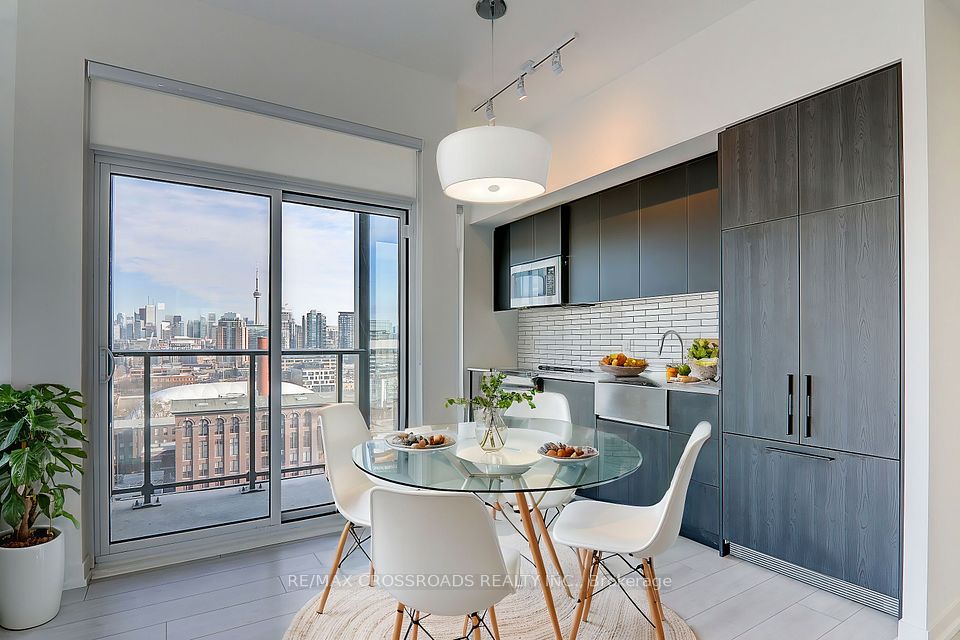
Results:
x,y
256,299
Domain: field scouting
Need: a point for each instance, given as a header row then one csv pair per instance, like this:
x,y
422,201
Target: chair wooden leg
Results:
x,y
594,570
538,516
336,565
585,588
653,597
416,627
398,622
372,574
466,623
653,574
476,626
493,623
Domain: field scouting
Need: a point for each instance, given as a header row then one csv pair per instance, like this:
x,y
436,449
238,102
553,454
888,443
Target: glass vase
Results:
x,y
491,430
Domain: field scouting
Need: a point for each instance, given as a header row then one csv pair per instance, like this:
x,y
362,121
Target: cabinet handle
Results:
x,y
800,454
789,404
808,428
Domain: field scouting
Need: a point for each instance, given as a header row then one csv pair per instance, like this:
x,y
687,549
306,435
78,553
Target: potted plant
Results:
x,y
491,402
40,440
703,356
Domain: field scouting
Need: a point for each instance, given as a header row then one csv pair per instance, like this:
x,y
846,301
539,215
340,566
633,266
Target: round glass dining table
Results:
x,y
517,470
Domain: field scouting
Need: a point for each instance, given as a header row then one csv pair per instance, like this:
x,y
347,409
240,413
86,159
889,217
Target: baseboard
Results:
x,y
862,595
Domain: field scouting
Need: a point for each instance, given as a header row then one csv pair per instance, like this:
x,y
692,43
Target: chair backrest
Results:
x,y
672,503
342,428
437,552
553,406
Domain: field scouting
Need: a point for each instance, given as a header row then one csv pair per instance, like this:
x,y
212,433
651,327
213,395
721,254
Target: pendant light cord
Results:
x,y
493,13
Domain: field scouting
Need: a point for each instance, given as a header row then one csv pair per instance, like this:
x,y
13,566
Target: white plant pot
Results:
x,y
31,583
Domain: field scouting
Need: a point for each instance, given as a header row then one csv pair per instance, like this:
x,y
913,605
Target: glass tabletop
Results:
x,y
518,467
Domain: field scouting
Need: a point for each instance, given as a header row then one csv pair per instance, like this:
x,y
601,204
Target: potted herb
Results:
x,y
40,442
491,402
703,357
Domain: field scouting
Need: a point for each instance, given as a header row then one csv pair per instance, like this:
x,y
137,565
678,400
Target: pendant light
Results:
x,y
490,163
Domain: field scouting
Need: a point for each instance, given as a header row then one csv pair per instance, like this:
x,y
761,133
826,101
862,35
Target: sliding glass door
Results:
x,y
194,340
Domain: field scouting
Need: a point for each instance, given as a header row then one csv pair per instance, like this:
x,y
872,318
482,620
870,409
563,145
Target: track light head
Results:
x,y
491,116
555,63
521,89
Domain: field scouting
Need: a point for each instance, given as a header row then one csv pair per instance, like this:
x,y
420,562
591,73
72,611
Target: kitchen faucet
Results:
x,y
663,339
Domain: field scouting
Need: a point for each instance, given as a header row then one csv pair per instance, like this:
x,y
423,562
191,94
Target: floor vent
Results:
x,y
858,594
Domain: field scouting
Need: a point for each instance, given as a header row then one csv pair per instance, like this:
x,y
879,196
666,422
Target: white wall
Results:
x,y
8,63
490,338
193,42
943,113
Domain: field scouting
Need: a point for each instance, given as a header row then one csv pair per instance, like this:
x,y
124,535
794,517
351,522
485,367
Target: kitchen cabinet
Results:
x,y
850,327
701,513
579,396
834,513
759,177
501,268
663,233
620,242
760,329
522,241
549,233
648,484
850,143
583,265
703,225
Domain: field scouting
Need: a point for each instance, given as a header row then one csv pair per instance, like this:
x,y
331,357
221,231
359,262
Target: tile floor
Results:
x,y
248,596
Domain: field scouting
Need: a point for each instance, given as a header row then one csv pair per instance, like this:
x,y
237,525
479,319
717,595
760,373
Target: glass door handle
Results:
x,y
108,366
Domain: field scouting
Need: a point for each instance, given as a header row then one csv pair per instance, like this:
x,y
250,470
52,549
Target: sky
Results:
x,y
197,250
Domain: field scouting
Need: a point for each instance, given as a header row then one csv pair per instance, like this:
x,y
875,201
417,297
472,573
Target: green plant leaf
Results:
x,y
12,509
12,434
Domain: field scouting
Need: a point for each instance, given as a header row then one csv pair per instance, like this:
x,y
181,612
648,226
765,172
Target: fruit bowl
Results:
x,y
622,372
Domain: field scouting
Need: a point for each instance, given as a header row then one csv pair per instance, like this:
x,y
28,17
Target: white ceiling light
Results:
x,y
555,63
490,164
521,90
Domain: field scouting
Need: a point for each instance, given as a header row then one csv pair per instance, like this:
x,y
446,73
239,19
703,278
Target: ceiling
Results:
x,y
446,38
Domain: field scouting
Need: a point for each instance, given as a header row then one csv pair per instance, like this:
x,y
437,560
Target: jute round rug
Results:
x,y
356,611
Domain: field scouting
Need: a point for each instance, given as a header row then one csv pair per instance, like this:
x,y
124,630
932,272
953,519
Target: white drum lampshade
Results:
x,y
489,164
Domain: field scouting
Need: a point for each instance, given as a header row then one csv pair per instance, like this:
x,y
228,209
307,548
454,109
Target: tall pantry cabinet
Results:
x,y
811,335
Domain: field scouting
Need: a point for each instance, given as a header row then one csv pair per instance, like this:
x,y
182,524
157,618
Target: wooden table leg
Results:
x,y
550,548
538,563
336,565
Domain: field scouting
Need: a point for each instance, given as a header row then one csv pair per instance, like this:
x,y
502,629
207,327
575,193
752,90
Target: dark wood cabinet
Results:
x,y
663,233
647,485
522,240
620,242
583,269
550,233
707,468
758,176
850,327
501,268
850,143
760,325
834,513
703,225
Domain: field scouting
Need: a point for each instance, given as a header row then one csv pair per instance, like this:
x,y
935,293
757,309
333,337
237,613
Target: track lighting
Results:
x,y
521,90
555,63
491,116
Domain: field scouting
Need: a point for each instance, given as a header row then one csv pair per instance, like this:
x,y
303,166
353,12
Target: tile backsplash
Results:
x,y
580,336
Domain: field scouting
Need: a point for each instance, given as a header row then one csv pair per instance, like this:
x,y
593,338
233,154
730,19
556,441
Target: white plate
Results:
x,y
451,441
586,458
519,454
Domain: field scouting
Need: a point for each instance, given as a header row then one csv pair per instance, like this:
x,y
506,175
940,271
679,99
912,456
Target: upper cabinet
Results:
x,y
759,181
850,143
501,268
583,263
522,238
539,236
663,233
620,242
703,225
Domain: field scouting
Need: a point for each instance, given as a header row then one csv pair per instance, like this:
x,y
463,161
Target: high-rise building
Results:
x,y
195,329
176,326
314,330
291,334
232,332
346,323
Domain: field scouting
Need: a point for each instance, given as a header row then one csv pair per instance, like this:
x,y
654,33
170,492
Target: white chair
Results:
x,y
438,554
603,530
548,406
342,428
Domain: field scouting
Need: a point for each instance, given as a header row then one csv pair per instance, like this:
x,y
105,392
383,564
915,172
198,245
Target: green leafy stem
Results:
x,y
493,396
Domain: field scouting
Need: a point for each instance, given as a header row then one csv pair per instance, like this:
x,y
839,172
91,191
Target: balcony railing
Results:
x,y
252,478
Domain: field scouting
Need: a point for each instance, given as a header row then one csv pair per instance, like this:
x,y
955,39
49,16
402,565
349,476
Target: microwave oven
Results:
x,y
537,284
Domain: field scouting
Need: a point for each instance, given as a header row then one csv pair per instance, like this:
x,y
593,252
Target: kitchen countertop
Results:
x,y
658,377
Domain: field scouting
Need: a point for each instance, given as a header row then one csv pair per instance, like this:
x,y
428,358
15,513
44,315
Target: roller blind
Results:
x,y
135,119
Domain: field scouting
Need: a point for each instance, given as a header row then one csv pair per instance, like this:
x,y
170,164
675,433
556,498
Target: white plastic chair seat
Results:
x,y
613,528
